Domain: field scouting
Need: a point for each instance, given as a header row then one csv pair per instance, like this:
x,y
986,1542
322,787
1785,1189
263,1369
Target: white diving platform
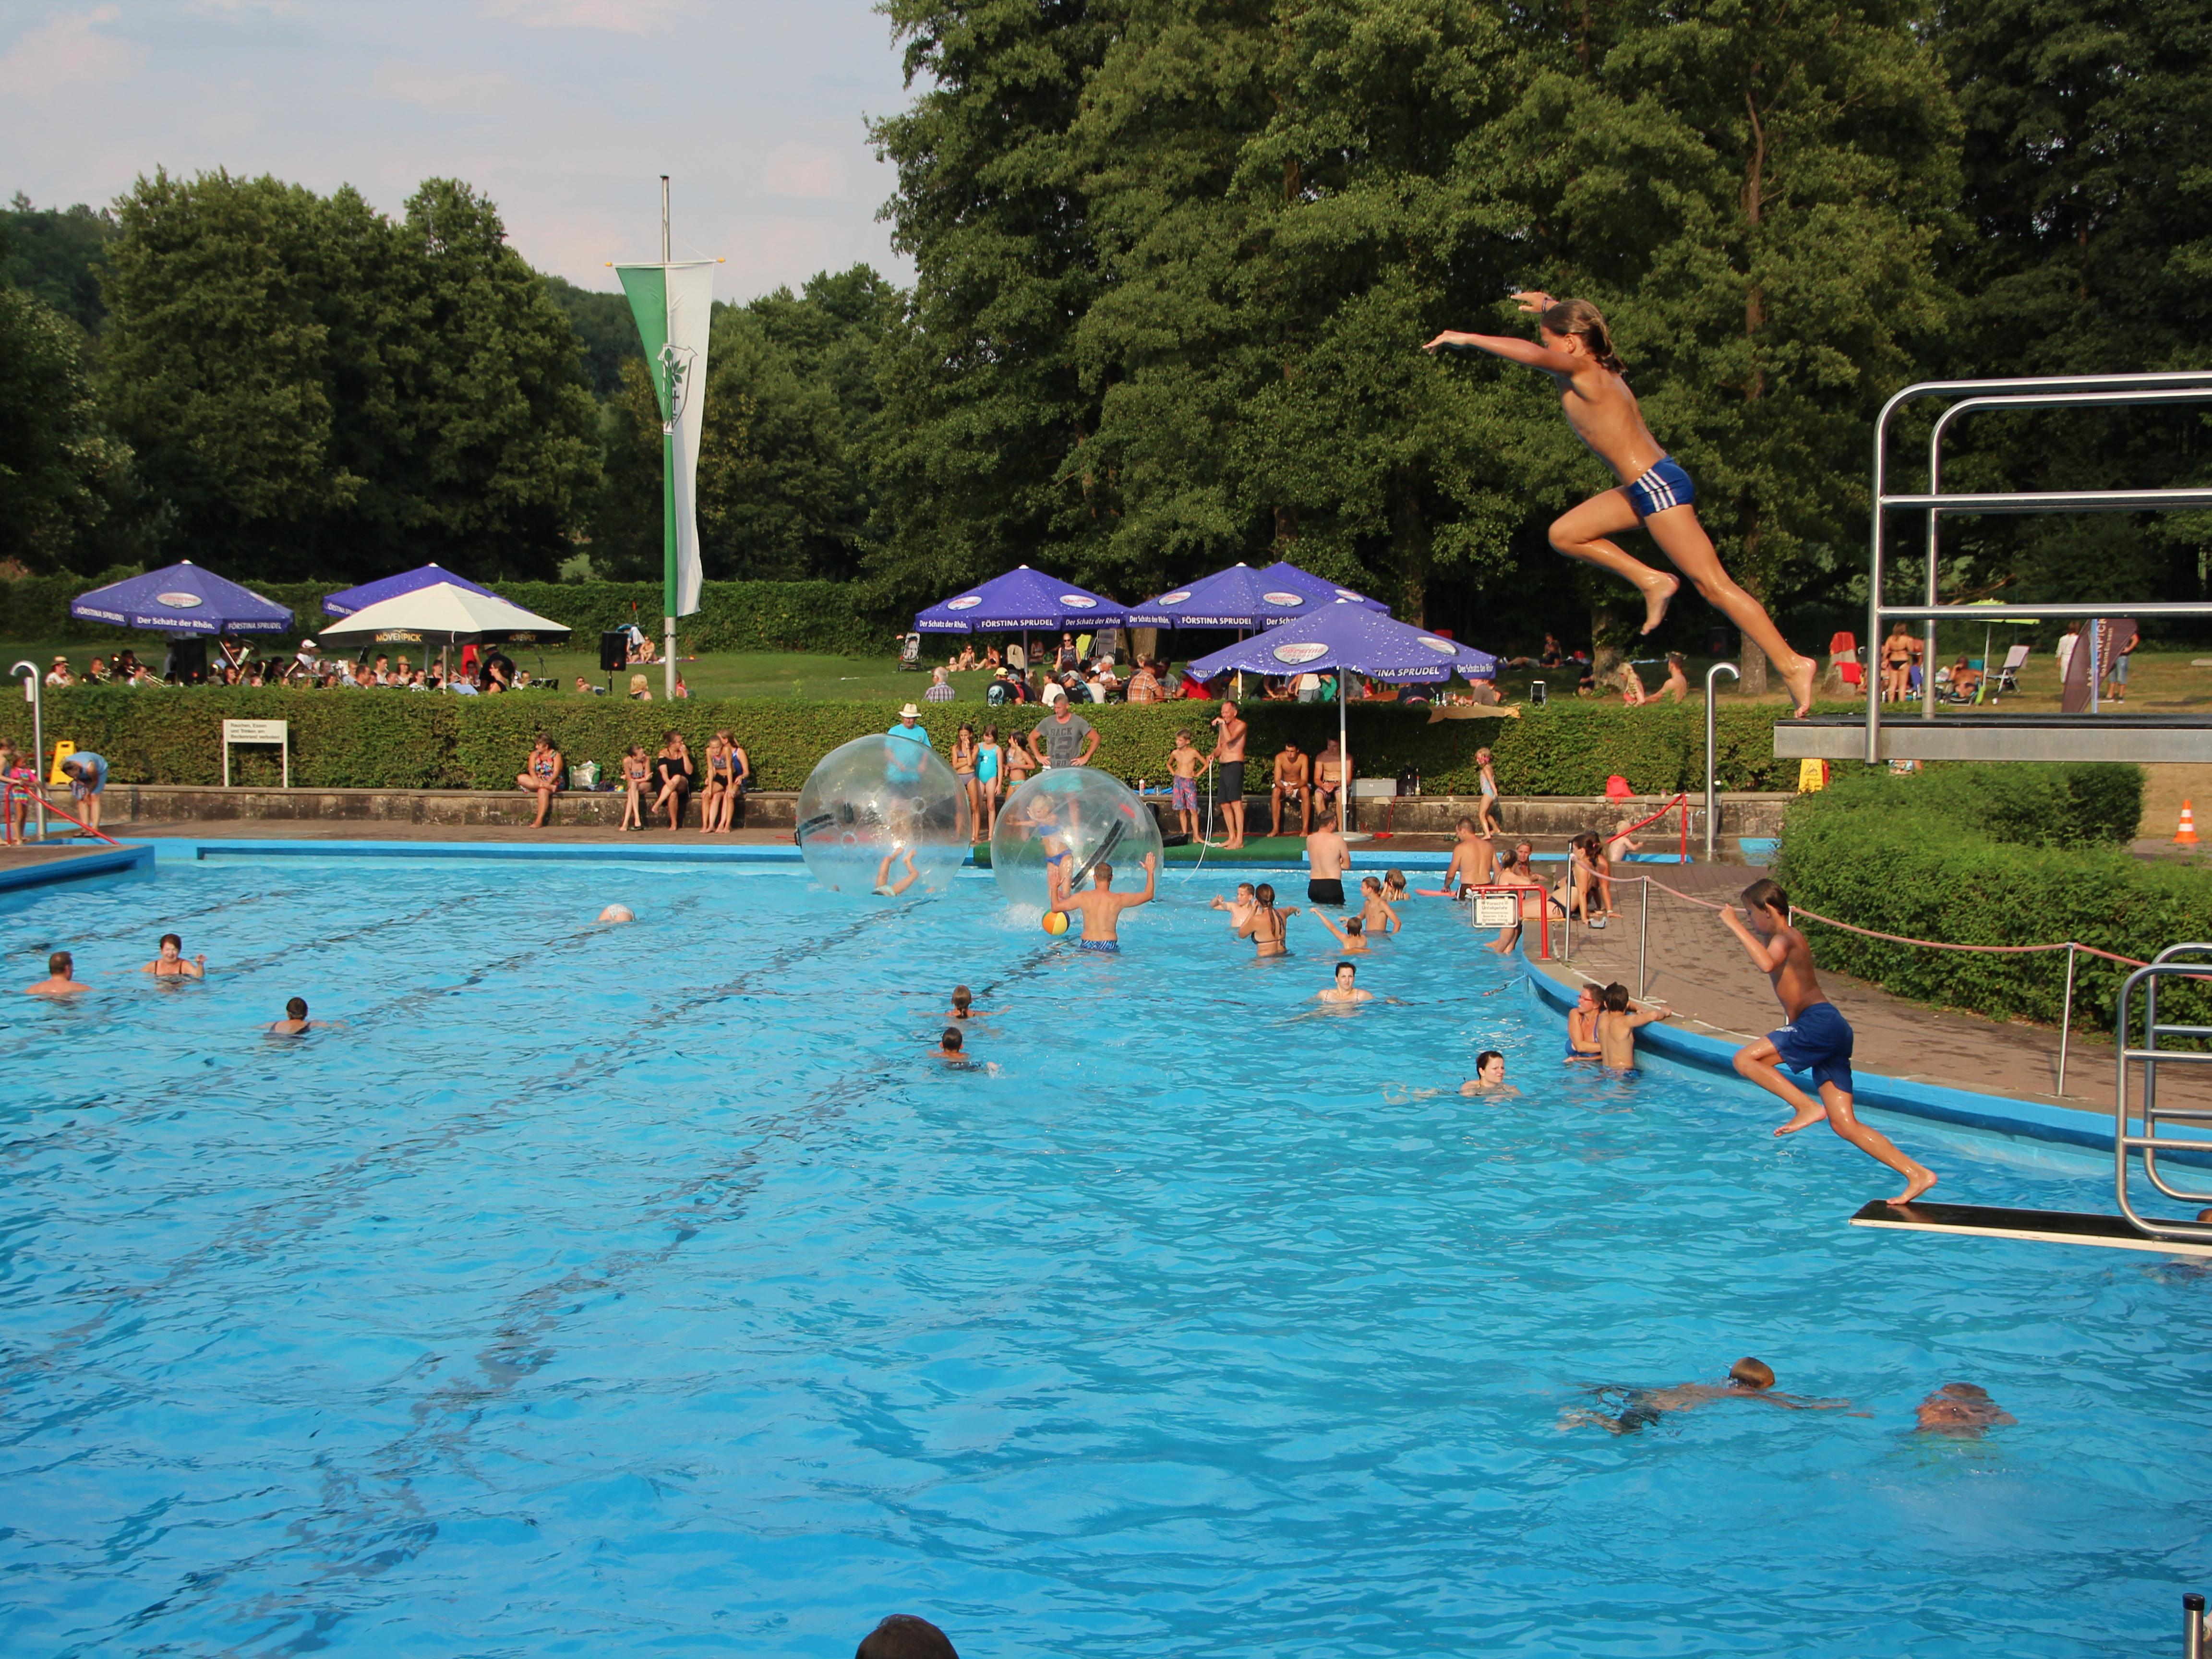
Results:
x,y
2145,739
2040,1226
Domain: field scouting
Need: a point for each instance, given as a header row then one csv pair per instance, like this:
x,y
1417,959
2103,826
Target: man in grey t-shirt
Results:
x,y
1057,738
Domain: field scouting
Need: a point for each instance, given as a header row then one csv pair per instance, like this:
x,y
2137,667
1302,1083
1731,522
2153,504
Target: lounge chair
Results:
x,y
2008,678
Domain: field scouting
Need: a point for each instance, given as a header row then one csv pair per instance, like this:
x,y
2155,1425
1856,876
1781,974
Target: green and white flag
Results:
x,y
674,305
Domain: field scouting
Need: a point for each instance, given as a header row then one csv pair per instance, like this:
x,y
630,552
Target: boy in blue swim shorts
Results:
x,y
1817,1039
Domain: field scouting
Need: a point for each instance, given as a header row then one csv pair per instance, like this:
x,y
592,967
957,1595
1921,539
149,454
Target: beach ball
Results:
x,y
1059,827
1055,922
885,815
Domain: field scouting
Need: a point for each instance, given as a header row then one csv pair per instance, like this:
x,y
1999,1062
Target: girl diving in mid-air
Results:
x,y
1577,352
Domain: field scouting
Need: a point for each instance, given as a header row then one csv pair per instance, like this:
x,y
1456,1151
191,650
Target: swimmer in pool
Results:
x,y
618,912
1960,1411
1377,918
1581,1025
949,1050
884,884
58,982
295,1021
1817,1037
1239,907
1347,989
1351,938
170,963
1489,1076
1101,909
1268,927
1619,1017
964,1006
1637,1409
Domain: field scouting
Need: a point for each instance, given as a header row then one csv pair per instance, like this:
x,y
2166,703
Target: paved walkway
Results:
x,y
1694,964
370,830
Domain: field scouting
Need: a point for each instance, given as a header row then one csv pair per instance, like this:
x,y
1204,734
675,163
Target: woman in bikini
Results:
x,y
1266,926
541,776
989,758
963,772
635,772
717,784
1898,652
1576,350
1019,762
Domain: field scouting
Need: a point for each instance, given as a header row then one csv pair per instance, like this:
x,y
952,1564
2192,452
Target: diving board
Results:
x,y
2040,1226
2146,739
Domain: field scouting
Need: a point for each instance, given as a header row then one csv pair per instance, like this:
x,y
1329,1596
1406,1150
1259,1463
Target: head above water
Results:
x,y
1578,326
171,942
1490,1065
1613,999
1264,894
59,964
1752,1373
902,1636
949,1042
963,998
296,1008
1346,973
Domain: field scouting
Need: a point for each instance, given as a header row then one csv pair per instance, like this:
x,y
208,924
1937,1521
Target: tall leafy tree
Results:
x,y
60,469
984,398
1752,191
58,255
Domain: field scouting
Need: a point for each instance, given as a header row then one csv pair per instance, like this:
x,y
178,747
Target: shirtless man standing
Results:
x,y
1816,1036
1101,909
1293,776
1471,860
1229,749
1326,860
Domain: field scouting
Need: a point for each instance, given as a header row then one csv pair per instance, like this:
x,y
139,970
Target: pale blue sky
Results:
x,y
564,112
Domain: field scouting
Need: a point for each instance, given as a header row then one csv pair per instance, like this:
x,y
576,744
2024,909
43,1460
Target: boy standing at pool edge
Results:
x,y
1816,1038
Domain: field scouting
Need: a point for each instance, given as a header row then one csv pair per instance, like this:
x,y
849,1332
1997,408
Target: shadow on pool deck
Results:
x,y
1697,966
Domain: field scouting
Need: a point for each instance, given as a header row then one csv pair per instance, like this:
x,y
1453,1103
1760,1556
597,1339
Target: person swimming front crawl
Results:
x,y
1637,1409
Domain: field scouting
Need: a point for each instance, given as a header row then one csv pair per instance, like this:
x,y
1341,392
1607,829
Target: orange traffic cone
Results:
x,y
2186,835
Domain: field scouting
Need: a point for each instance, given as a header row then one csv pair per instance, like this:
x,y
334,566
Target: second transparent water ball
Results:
x,y
1054,831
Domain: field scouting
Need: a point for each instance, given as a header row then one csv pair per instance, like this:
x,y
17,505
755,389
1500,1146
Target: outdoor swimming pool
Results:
x,y
649,1289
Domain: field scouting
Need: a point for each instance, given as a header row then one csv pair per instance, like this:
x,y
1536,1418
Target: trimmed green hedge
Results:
x,y
1991,854
413,740
803,616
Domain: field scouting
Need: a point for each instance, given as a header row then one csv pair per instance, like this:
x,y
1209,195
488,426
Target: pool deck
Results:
x,y
1720,1001
45,864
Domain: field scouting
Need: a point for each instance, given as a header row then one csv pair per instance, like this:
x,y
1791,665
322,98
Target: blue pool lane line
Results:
x,y
2001,1113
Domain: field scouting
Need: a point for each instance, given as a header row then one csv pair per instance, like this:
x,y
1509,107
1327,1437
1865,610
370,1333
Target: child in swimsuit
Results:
x,y
963,770
1489,779
1184,764
1379,919
718,783
988,756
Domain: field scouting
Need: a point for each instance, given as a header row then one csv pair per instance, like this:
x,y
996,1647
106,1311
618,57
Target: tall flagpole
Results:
x,y
667,495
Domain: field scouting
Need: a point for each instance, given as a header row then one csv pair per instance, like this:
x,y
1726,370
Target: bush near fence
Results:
x,y
1990,854
420,740
826,616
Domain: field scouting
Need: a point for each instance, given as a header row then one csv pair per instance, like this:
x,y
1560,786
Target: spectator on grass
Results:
x,y
59,673
1068,659
1145,685
639,690
1677,683
1105,682
97,674
940,687
1966,680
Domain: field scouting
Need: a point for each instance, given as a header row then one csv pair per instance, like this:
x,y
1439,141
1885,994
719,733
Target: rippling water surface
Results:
x,y
649,1289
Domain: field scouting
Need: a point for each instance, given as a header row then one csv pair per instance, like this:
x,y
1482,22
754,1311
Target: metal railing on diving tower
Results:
x,y
2096,736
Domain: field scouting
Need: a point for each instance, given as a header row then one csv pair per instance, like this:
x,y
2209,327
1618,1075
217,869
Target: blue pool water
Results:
x,y
649,1289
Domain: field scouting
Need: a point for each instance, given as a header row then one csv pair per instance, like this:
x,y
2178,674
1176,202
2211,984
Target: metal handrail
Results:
x,y
2168,964
1713,798
2053,391
34,694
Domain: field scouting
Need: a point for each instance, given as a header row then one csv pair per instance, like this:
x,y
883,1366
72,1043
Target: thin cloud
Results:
x,y
807,173
68,53
440,87
618,17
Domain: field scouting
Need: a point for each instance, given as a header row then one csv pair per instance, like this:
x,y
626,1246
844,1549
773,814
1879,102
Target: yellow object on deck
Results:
x,y
63,749
1811,774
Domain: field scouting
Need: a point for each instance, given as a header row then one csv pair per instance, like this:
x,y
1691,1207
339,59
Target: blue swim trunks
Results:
x,y
1818,1040
1111,947
1664,486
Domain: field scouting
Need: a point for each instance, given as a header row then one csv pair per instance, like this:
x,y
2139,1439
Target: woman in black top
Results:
x,y
673,767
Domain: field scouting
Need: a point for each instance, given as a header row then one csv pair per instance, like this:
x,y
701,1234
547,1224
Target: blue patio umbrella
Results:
x,y
1020,600
1283,574
1348,636
1239,597
181,601
391,587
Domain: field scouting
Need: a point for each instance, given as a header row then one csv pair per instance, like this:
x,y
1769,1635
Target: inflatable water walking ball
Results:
x,y
1055,922
1060,825
884,815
